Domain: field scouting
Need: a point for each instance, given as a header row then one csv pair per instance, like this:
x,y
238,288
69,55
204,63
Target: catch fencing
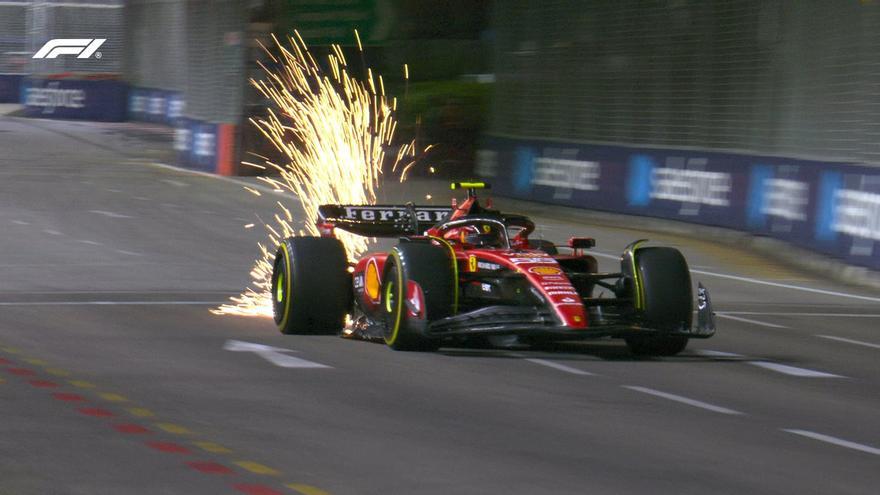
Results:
x,y
185,62
757,115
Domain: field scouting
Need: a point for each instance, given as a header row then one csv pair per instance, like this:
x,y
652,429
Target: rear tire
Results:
x,y
666,300
429,266
311,286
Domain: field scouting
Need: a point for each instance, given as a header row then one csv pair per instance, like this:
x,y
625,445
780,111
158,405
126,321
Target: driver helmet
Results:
x,y
484,235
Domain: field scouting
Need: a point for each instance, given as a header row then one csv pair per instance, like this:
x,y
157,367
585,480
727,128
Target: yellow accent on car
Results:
x,y
288,303
472,263
639,289
395,331
279,289
468,185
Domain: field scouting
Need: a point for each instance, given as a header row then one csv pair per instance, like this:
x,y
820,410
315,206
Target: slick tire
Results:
x,y
664,289
311,286
429,266
543,245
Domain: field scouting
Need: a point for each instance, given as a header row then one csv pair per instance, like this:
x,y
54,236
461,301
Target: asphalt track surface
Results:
x,y
114,377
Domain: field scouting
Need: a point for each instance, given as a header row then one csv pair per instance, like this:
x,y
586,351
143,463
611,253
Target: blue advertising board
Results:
x,y
101,100
832,208
10,88
155,105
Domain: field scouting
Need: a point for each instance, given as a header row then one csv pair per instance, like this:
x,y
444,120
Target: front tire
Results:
x,y
665,297
311,286
431,269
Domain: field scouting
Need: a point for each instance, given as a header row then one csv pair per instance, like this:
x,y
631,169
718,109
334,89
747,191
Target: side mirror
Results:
x,y
581,242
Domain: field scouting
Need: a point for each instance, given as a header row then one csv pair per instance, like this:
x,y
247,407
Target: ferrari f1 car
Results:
x,y
471,272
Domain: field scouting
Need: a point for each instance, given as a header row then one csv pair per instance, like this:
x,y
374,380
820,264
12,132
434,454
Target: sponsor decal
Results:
x,y
545,270
486,287
691,186
485,265
52,97
176,105
568,300
81,47
389,213
204,143
359,281
138,104
553,277
785,198
554,284
562,292
566,172
182,137
472,263
684,180
519,261
157,105
857,213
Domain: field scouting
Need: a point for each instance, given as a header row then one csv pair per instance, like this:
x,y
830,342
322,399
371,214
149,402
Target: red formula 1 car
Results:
x,y
471,273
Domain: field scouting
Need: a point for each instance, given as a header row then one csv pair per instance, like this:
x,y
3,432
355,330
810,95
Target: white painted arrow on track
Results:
x,y
274,355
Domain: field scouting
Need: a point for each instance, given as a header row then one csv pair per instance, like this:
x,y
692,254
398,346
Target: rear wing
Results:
x,y
381,220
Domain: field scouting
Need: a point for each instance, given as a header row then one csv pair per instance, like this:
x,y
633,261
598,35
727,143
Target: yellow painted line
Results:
x,y
140,412
257,468
82,384
2,380
35,362
113,397
10,350
214,448
306,489
57,372
173,428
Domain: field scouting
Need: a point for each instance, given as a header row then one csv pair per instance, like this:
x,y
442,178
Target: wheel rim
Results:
x,y
389,303
280,280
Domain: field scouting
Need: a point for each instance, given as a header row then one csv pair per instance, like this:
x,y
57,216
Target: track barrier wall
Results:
x,y
100,100
828,207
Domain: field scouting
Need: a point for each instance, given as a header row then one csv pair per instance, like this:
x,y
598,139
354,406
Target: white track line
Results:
x,y
779,368
764,282
109,214
683,400
835,441
113,303
20,222
560,367
842,315
128,253
793,370
849,341
52,232
90,243
747,320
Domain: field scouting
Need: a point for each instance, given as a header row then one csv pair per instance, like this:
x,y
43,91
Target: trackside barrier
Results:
x,y
10,88
831,208
199,145
83,99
